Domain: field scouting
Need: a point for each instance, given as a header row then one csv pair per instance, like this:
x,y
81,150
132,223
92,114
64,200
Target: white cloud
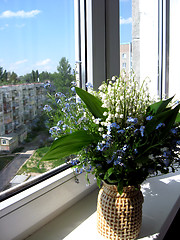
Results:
x,y
19,14
125,20
43,62
21,62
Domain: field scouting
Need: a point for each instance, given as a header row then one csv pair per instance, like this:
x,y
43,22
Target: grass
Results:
x,y
34,164
5,160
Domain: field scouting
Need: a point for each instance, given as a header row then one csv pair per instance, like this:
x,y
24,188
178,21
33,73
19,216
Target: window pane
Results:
x,y
174,70
37,49
125,35
144,34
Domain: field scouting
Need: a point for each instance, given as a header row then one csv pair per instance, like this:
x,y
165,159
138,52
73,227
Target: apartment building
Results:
x,y
19,106
126,57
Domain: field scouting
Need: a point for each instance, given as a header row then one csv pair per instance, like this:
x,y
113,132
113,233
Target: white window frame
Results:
x,y
6,142
124,55
124,65
96,62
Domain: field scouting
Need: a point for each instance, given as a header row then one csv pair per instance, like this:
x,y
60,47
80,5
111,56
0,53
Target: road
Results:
x,y
7,173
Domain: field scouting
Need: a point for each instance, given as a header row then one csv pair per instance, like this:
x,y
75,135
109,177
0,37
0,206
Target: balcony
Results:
x,y
7,107
15,105
7,119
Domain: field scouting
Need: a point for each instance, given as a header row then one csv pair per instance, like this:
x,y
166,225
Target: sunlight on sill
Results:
x,y
159,209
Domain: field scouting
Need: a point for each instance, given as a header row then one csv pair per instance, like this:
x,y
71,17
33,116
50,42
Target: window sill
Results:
x,y
29,210
161,203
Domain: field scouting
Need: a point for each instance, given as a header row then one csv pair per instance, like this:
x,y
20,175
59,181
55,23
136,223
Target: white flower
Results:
x,y
109,118
164,149
97,120
118,109
100,129
113,78
105,114
151,157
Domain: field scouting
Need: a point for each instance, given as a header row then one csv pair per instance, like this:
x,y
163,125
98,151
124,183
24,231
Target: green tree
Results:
x,y
63,78
34,75
13,78
44,76
3,76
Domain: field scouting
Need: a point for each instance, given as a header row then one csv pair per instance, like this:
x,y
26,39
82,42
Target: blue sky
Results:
x,y
35,34
125,21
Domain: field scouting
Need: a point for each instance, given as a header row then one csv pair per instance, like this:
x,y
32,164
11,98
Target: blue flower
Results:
x,y
59,95
109,161
73,83
118,161
112,125
73,89
64,127
132,120
160,125
149,118
60,123
89,85
47,108
135,151
174,131
121,131
74,162
47,85
166,154
166,162
142,130
178,142
136,131
79,171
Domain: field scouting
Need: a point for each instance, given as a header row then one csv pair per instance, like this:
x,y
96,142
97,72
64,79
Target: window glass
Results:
x,y
37,59
125,35
147,36
174,70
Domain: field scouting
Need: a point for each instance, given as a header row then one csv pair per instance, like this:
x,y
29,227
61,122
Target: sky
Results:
x,y
125,21
36,34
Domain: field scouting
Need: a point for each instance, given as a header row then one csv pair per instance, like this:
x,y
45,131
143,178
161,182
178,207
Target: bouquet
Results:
x,y
127,137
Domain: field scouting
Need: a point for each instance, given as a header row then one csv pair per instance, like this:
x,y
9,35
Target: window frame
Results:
x,y
42,197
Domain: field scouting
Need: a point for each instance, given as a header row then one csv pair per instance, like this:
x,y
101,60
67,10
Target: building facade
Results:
x,y
19,106
155,52
126,57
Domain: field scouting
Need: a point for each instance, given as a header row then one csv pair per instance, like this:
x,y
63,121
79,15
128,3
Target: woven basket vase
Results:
x,y
119,217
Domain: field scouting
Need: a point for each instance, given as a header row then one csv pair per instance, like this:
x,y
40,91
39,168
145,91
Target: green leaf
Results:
x,y
120,187
69,144
178,118
167,117
108,173
93,104
98,181
160,106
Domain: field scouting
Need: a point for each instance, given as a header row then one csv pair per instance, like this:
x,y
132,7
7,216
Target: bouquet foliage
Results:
x,y
118,133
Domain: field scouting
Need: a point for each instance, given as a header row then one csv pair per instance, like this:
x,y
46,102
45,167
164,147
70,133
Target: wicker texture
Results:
x,y
119,217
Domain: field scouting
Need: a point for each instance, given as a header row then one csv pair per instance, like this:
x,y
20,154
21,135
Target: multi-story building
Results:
x,y
126,57
19,105
154,45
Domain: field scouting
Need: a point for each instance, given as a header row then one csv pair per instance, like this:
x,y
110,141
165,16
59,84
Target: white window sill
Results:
x,y
26,212
161,203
